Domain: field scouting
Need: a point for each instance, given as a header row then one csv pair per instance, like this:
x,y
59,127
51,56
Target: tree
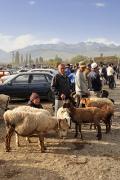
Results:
x,y
78,58
13,57
21,59
55,62
40,60
26,60
17,58
30,60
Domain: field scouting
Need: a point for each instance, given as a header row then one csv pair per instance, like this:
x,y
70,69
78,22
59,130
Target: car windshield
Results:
x,y
9,79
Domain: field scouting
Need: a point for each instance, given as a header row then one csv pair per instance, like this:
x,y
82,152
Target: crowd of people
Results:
x,y
85,79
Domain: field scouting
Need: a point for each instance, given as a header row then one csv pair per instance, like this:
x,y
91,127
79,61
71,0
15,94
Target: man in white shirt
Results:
x,y
110,74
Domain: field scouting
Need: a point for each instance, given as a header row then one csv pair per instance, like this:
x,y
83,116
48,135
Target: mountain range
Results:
x,y
64,50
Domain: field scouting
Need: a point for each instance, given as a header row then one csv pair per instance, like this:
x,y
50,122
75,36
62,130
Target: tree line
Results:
x,y
27,60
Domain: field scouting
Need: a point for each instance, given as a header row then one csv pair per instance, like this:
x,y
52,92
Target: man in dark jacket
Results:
x,y
61,87
94,82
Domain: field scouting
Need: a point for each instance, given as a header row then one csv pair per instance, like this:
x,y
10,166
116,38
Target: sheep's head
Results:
x,y
63,127
68,105
85,101
64,113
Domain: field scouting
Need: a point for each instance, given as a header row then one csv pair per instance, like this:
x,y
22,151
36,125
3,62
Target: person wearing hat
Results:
x,y
81,87
35,101
94,82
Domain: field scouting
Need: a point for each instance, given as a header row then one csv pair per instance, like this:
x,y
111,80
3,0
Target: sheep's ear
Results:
x,y
64,105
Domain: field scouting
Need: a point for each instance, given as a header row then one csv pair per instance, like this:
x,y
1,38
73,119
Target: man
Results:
x,y
94,82
67,70
61,87
110,74
81,86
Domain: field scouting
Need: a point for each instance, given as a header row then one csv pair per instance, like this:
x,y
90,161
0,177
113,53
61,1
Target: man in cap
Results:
x,y
94,82
81,86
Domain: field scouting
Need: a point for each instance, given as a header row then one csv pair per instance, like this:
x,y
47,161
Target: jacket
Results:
x,y
60,85
94,82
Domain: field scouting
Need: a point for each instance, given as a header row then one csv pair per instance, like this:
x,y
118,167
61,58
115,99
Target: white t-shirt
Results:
x,y
110,71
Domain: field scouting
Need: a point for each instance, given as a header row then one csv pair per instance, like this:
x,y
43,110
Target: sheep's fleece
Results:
x,y
31,109
4,101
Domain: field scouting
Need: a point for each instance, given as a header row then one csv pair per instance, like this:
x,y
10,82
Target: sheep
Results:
x,y
4,101
29,123
28,109
105,94
102,103
87,115
31,109
63,113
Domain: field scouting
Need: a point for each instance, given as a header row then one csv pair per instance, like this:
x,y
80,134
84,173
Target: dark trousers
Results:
x,y
111,81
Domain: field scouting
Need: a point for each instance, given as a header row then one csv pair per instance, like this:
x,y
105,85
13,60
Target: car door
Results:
x,y
18,87
38,83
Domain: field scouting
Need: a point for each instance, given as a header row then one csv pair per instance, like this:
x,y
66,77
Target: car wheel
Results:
x,y
50,96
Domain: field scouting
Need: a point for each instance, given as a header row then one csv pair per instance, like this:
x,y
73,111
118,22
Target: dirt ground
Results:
x,y
71,159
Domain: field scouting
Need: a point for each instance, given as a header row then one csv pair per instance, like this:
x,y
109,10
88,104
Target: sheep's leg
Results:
x,y
91,126
41,140
76,130
17,140
8,138
28,140
80,131
99,135
108,127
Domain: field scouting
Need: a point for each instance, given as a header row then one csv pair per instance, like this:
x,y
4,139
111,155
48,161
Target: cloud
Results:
x,y
9,43
31,2
101,40
100,5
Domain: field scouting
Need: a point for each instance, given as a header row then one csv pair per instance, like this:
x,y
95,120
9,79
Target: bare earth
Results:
x,y
71,159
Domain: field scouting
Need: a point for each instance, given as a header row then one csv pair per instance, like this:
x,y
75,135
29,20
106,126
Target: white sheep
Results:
x,y
29,123
31,109
63,113
4,101
28,109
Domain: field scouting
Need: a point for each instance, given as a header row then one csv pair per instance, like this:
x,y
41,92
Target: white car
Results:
x,y
51,71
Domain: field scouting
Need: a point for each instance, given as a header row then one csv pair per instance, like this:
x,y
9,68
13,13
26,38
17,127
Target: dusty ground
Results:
x,y
71,159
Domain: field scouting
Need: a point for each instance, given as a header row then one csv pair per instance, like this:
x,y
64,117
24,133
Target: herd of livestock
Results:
x,y
27,121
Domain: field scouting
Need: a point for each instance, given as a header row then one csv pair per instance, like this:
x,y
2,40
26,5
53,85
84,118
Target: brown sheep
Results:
x,y
103,103
88,115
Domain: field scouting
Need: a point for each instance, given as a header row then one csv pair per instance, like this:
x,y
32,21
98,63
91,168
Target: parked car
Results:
x,y
4,73
51,71
22,70
23,84
4,78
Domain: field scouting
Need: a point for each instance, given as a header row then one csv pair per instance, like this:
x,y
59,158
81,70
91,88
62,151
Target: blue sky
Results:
x,y
27,22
